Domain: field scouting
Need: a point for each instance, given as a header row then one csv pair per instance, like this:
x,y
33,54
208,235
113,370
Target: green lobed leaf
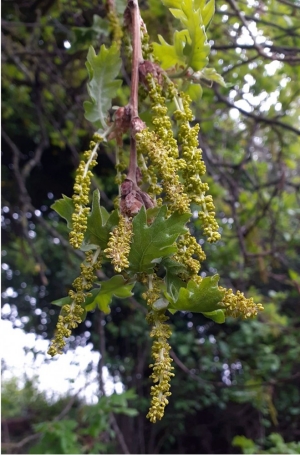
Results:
x,y
100,223
116,286
217,316
152,243
197,48
102,86
190,48
199,298
63,301
211,74
67,300
65,208
207,12
179,8
173,280
171,55
194,91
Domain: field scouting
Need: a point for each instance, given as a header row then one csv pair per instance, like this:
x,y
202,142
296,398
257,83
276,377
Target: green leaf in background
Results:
x,y
173,280
247,445
199,298
63,301
116,286
65,208
57,437
194,91
210,74
83,36
151,243
102,86
67,300
100,223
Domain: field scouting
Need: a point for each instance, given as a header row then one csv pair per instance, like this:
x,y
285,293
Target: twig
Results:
x,y
16,59
184,368
27,439
101,362
119,434
133,7
258,118
20,444
26,202
16,169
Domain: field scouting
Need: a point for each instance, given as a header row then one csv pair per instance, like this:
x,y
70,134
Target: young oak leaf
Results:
x,y
152,243
204,297
102,86
65,208
190,48
116,286
210,74
63,301
100,223
217,316
102,297
171,55
197,48
180,9
174,274
207,10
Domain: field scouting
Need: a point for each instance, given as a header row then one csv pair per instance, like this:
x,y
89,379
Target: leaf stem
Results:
x,y
178,75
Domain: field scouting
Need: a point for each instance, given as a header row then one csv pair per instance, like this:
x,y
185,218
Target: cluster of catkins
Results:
x,y
171,171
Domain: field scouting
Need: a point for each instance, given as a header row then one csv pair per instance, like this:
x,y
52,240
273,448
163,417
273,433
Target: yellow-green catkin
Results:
x,y
195,168
161,148
190,254
238,306
81,193
116,27
147,46
162,366
71,315
118,247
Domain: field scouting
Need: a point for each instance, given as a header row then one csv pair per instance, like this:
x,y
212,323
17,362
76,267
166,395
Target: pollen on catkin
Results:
x,y
81,193
118,247
195,168
116,27
162,366
166,167
238,306
71,315
187,247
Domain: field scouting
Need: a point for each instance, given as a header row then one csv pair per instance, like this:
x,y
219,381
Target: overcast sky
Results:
x,y
59,375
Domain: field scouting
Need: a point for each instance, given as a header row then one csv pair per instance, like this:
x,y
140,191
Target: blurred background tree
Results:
x,y
237,379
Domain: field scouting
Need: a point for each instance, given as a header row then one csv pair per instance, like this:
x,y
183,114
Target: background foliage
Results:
x,y
232,380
